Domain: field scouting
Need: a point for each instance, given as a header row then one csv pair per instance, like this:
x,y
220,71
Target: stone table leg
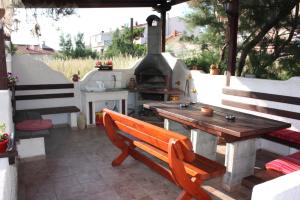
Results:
x,y
176,127
239,161
204,143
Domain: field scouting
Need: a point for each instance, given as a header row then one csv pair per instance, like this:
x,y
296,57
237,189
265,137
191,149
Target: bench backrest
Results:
x,y
153,135
274,106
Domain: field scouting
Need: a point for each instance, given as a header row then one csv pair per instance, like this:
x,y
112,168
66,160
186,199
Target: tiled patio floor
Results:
x,y
78,166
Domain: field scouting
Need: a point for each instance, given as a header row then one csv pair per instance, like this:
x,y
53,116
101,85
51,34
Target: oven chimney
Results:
x,y
154,34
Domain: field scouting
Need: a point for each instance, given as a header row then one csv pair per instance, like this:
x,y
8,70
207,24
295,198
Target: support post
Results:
x,y
131,31
3,70
163,29
232,11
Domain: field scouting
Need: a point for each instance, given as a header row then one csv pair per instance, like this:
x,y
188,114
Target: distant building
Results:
x,y
34,50
174,26
101,41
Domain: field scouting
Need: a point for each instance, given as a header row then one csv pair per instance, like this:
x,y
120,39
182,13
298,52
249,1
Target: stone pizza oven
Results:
x,y
153,73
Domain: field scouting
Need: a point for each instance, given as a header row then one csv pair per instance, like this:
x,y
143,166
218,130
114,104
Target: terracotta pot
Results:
x,y
174,98
207,111
75,78
132,84
214,71
3,146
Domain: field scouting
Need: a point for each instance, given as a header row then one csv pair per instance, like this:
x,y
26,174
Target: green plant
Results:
x,y
203,60
11,48
3,135
12,79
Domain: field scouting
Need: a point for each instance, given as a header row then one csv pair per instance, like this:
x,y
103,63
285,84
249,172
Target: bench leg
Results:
x,y
239,161
184,196
118,161
73,120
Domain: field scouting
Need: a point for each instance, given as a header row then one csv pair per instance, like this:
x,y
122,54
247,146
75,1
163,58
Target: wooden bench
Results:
x,y
28,94
187,169
286,137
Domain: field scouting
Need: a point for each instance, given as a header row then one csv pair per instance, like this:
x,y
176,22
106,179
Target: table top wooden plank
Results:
x,y
245,125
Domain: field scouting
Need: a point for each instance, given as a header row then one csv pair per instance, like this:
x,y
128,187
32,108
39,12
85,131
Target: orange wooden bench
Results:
x,y
187,169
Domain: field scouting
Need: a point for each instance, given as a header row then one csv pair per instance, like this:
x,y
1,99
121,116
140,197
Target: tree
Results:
x,y
80,51
122,43
263,24
66,46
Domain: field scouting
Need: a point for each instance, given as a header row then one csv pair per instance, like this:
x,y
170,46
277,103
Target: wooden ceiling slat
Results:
x,y
96,3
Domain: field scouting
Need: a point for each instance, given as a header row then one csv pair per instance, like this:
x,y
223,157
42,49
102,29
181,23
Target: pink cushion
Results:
x,y
288,135
286,164
34,125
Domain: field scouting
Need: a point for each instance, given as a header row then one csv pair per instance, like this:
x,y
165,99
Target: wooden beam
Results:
x,y
95,3
3,70
163,30
233,18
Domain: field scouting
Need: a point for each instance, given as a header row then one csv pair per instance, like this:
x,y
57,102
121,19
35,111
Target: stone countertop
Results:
x,y
107,90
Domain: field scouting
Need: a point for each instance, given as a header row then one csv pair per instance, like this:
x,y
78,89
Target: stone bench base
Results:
x,y
31,148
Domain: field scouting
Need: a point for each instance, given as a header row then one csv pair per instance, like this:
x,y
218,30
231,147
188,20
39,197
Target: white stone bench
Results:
x,y
282,188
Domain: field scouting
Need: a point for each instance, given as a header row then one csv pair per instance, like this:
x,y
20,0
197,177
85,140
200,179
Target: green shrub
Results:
x,y
203,60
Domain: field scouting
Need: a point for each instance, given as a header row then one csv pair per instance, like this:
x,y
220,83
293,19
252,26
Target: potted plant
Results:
x,y
3,138
76,77
12,80
214,69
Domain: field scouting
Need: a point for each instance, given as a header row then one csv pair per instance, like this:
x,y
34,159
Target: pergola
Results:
x,y
161,6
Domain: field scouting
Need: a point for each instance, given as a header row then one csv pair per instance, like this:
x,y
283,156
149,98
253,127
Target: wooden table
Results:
x,y
240,135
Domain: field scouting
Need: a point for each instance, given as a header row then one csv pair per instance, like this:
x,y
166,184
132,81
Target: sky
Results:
x,y
87,21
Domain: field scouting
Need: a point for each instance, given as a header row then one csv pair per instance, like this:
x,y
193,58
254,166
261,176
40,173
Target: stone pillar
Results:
x,y
239,162
176,127
204,143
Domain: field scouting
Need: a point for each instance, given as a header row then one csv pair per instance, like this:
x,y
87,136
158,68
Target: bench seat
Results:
x,y
22,116
201,166
54,110
285,164
71,110
287,137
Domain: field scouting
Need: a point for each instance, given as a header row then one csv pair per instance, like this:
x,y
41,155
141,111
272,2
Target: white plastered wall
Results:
x,y
8,173
34,72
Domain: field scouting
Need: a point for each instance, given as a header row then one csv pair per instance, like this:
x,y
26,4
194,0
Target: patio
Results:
x,y
67,163
78,166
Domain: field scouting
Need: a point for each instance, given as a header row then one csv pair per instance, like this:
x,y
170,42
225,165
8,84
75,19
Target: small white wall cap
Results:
x,y
285,187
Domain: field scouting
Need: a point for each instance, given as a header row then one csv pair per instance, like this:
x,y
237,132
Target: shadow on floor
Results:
x,y
78,166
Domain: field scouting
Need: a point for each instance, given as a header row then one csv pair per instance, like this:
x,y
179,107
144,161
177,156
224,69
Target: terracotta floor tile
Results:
x,y
78,166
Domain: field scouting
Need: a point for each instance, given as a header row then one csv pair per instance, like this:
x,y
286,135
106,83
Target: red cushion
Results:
x,y
34,125
286,164
288,135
